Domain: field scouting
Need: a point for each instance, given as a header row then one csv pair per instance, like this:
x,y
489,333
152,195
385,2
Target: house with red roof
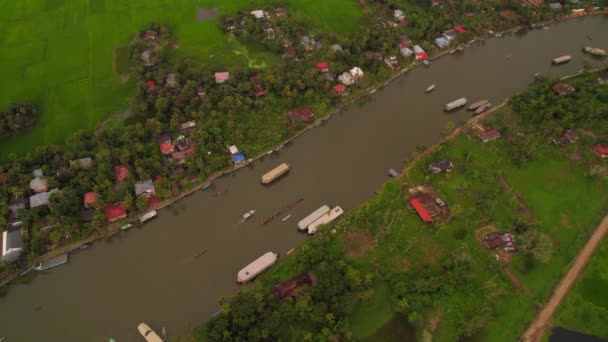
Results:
x,y
121,172
340,90
322,67
601,150
90,198
115,212
222,76
416,203
302,115
460,29
151,85
489,135
288,290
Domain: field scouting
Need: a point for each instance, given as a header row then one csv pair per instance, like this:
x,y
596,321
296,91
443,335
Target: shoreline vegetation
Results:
x,y
103,230
370,241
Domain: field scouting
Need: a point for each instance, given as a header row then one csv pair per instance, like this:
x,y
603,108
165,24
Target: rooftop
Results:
x,y
115,211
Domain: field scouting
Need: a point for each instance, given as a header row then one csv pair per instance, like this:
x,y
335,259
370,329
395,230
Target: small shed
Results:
x,y
222,76
601,150
441,166
121,172
322,67
144,188
340,90
460,29
238,158
90,198
442,42
450,34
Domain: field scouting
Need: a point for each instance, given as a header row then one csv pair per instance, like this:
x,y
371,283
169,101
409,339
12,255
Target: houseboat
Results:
x,y
478,104
149,334
148,216
325,219
562,59
275,173
595,51
305,222
455,104
52,262
258,266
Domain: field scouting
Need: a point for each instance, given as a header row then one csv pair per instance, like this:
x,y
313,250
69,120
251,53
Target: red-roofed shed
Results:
x,y
421,210
460,29
90,198
166,148
302,115
151,85
260,93
115,212
152,201
340,90
121,172
322,67
601,150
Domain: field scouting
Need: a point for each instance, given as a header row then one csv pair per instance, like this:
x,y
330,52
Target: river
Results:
x,y
150,273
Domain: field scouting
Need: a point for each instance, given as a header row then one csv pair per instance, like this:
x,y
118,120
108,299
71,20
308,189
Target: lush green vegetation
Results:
x,y
586,308
439,276
18,118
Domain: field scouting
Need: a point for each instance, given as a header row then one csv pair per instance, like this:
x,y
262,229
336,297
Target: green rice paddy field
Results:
x,y
64,55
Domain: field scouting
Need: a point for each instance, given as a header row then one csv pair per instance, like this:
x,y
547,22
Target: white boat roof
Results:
x,y
257,266
312,217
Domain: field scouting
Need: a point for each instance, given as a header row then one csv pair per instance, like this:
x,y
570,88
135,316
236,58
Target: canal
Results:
x,y
150,274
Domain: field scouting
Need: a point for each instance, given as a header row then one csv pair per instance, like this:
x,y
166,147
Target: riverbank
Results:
x,y
115,227
393,244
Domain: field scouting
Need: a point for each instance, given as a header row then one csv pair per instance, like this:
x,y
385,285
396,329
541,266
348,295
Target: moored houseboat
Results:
x,y
312,217
275,173
258,266
148,216
594,51
482,109
331,216
455,104
478,104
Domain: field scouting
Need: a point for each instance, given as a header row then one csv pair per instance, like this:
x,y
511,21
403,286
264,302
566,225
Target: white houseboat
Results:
x,y
275,173
258,266
305,222
325,219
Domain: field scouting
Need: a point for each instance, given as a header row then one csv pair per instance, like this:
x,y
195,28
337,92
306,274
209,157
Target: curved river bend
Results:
x,y
149,274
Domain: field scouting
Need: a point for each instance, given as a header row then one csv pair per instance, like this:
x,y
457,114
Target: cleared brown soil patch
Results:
x,y
356,243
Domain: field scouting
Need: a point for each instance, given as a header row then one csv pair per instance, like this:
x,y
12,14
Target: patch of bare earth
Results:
x,y
356,243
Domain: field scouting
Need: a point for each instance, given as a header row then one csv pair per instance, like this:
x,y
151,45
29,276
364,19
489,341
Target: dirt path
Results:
x,y
536,330
517,281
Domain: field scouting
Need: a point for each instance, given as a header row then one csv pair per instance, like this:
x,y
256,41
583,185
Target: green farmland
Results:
x,y
67,57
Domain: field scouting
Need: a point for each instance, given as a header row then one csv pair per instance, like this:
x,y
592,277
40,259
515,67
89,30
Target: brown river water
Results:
x,y
150,273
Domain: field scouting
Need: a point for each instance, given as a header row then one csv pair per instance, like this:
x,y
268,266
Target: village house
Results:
x,y
150,35
42,198
302,115
145,188
222,76
489,135
171,80
146,58
90,198
236,156
16,204
258,14
308,42
12,245
115,212
427,203
84,162
563,89
441,166
601,150
187,126
405,40
346,79
506,241
121,172
392,63
442,42
322,67
571,136
421,55
151,86
340,90
38,184
288,290
257,86
450,34
405,51
337,48
182,143
460,29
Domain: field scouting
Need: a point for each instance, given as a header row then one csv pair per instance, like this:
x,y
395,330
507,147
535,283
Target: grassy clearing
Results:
x,y
370,316
59,55
586,307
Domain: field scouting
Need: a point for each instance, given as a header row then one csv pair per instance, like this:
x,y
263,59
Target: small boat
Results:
x,y
393,173
126,226
373,91
498,35
562,59
478,104
286,218
2,339
482,109
78,249
147,332
248,214
430,88
594,51
200,253
163,334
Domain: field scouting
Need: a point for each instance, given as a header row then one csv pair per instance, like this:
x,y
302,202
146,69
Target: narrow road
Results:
x,y
536,330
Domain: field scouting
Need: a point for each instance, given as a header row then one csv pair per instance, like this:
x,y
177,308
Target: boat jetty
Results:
x,y
329,217
149,334
258,266
148,216
282,211
478,104
312,217
562,60
594,51
52,262
455,104
275,173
